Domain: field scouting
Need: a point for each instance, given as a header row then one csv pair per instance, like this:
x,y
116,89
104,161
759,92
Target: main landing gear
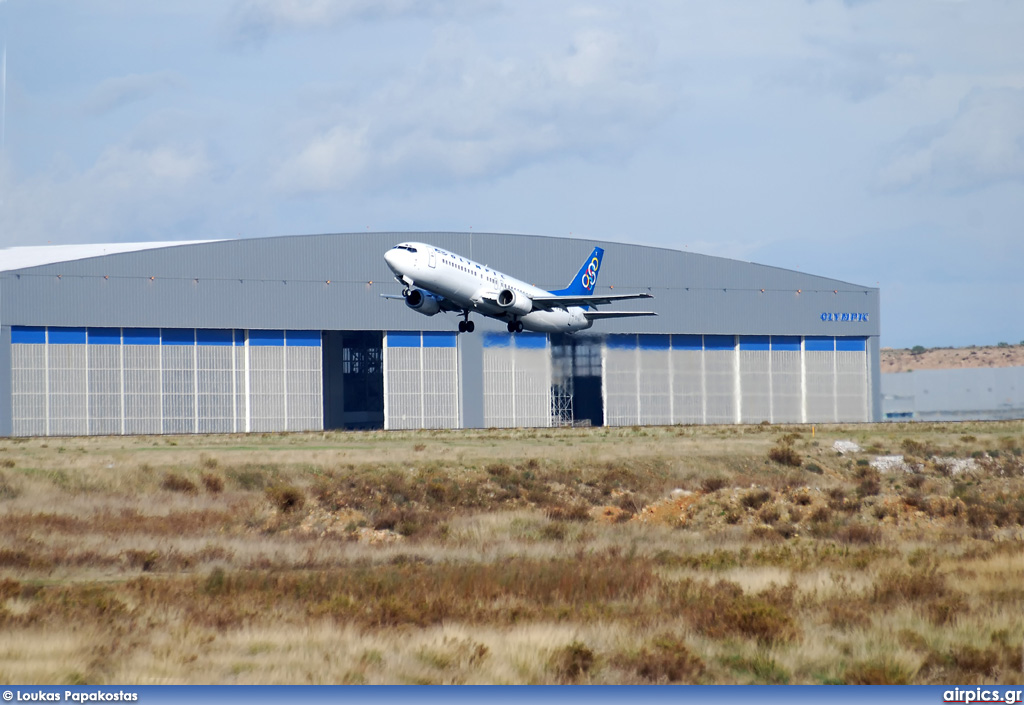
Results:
x,y
466,325
515,326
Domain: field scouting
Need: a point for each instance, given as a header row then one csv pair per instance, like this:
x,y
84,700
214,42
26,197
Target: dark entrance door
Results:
x,y
353,373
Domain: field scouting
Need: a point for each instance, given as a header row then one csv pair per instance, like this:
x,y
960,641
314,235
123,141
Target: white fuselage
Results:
x,y
473,287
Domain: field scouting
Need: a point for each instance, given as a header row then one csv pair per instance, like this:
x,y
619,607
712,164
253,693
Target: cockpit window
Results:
x,y
404,247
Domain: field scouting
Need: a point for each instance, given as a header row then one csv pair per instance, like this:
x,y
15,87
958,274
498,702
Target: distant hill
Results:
x,y
904,360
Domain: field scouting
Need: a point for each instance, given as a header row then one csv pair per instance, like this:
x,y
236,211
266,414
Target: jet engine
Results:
x,y
515,303
421,301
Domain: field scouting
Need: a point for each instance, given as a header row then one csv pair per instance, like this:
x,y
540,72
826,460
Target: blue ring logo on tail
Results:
x,y
589,277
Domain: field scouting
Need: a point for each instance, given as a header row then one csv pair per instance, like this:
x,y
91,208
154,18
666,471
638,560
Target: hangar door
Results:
x,y
353,379
421,380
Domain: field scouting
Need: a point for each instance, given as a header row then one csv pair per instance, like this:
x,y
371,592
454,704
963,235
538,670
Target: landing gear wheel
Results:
x,y
462,326
519,326
511,326
470,326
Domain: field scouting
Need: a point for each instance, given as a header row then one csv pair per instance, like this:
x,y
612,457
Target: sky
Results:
x,y
879,142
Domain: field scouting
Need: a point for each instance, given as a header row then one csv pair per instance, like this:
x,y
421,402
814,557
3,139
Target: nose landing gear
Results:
x,y
466,325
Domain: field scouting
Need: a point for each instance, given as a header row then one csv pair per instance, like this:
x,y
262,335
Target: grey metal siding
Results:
x,y
283,283
6,398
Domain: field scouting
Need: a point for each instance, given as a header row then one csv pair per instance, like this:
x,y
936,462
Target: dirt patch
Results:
x,y
906,360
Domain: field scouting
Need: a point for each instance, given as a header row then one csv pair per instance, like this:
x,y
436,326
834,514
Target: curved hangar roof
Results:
x,y
333,282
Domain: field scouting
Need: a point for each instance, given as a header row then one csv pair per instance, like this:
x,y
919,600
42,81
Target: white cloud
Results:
x,y
330,161
466,114
982,144
128,193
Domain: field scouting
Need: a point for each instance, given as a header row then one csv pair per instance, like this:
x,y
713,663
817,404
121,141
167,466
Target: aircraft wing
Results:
x,y
592,315
547,303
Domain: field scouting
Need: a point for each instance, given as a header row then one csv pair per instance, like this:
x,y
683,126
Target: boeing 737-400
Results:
x,y
436,280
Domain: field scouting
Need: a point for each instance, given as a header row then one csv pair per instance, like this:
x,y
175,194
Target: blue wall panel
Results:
x,y
497,340
687,342
66,336
438,339
816,343
621,342
719,342
851,344
178,336
536,341
403,339
654,342
302,338
266,338
28,335
754,342
104,336
786,342
141,336
215,336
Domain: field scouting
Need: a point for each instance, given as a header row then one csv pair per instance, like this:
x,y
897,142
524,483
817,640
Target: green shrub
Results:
x,y
755,498
820,514
879,671
666,660
177,483
287,498
212,483
713,484
916,481
859,533
784,454
573,661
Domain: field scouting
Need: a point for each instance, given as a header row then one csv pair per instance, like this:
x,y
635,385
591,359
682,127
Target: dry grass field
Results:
x,y
757,554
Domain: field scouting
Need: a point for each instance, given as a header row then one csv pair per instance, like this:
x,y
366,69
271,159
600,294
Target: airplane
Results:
x,y
436,280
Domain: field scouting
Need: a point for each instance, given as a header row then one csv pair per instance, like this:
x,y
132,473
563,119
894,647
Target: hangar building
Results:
x,y
291,333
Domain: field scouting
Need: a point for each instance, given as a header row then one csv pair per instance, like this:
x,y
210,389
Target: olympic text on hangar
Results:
x,y
844,317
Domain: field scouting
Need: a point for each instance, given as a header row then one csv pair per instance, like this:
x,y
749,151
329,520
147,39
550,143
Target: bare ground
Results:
x,y
906,360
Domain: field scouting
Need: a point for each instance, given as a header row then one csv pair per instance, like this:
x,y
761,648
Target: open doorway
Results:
x,y
353,372
576,380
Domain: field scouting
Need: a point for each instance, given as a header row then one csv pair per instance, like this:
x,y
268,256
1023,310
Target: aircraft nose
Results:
x,y
391,257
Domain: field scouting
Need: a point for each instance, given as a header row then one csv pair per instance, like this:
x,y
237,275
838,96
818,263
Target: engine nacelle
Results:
x,y
422,302
514,302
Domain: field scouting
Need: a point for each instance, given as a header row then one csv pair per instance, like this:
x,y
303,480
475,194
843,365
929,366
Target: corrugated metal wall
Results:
x,y
99,381
421,380
734,379
517,380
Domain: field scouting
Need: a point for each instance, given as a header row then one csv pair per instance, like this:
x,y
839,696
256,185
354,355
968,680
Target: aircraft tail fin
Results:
x,y
585,279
